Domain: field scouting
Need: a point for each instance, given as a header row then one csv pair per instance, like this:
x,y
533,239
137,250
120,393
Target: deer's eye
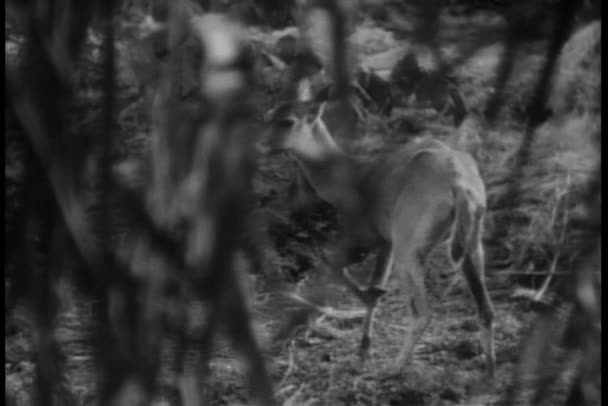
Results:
x,y
286,123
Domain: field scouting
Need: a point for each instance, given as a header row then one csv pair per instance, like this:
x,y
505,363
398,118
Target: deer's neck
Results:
x,y
339,179
334,176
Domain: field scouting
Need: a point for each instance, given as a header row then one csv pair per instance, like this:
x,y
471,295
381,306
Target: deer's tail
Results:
x,y
464,225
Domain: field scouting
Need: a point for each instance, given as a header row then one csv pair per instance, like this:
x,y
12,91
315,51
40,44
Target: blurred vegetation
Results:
x,y
142,232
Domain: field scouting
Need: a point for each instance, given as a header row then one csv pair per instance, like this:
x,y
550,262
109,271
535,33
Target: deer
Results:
x,y
424,193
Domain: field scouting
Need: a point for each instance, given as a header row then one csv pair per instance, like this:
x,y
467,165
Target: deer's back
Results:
x,y
426,170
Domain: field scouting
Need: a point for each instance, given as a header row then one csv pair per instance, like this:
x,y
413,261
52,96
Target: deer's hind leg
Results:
x,y
473,269
412,285
417,237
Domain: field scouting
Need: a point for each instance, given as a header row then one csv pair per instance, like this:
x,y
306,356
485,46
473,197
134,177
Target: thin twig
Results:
x,y
291,401
281,391
290,366
328,311
541,273
562,237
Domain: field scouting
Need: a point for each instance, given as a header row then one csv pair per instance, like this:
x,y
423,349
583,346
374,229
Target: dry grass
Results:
x,y
578,80
542,226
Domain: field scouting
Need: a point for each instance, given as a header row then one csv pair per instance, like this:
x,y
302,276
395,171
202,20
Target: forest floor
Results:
x,y
320,366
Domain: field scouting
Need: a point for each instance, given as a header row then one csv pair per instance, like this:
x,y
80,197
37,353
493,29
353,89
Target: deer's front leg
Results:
x,y
338,261
353,286
374,291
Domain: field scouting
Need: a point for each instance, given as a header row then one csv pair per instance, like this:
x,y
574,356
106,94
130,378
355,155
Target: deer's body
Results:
x,y
392,175
421,195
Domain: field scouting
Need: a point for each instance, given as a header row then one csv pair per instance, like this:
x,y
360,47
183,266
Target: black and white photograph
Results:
x,y
302,203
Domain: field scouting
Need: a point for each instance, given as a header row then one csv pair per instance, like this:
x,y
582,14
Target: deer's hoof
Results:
x,y
490,374
364,349
373,294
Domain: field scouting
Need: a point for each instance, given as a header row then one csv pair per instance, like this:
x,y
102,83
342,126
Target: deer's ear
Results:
x,y
304,90
320,111
269,115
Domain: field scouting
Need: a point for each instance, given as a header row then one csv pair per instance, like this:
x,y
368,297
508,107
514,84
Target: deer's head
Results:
x,y
297,128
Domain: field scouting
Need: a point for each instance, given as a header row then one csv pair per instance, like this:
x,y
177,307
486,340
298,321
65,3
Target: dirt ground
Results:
x,y
318,363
